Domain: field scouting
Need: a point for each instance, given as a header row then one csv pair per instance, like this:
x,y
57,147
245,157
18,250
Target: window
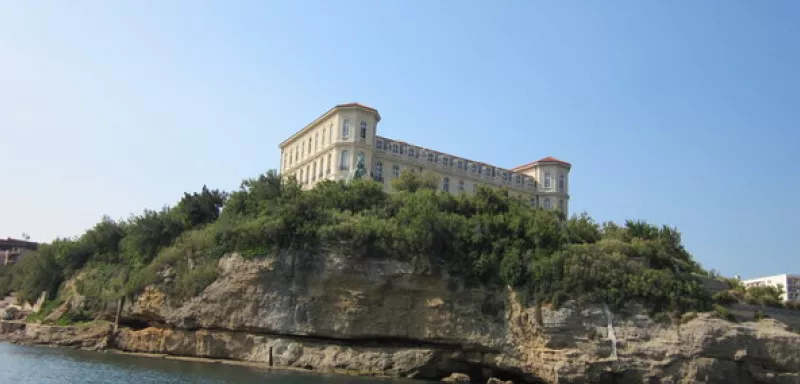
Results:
x,y
321,165
561,182
402,149
323,137
296,154
547,204
531,183
363,129
533,202
395,148
446,161
379,144
308,172
519,179
411,152
330,132
548,181
480,170
316,142
446,184
561,205
346,129
330,160
430,157
344,160
474,168
303,150
379,171
314,171
460,164
301,177
396,170
461,186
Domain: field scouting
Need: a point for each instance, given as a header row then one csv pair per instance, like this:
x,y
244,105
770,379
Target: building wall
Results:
x,y
330,146
790,283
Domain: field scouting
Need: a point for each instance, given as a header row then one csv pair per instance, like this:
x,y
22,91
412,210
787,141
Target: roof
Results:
x,y
15,243
548,159
324,115
355,105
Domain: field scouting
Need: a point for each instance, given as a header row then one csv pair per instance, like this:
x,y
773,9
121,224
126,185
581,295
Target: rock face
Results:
x,y
380,317
88,336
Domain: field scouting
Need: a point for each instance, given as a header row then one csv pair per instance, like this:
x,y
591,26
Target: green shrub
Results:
x,y
488,238
724,298
723,313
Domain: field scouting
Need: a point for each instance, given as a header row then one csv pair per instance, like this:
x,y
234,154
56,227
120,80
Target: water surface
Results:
x,y
44,365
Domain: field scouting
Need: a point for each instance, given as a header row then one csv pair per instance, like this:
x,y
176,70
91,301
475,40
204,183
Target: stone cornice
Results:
x,y
340,107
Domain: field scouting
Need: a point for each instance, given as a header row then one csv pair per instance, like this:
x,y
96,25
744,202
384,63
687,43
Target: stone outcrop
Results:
x,y
383,317
92,336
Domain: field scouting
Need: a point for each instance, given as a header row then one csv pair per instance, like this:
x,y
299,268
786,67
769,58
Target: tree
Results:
x,y
410,181
103,240
197,209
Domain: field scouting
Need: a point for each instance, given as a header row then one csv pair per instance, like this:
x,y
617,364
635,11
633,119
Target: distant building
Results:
x,y
790,283
328,148
11,250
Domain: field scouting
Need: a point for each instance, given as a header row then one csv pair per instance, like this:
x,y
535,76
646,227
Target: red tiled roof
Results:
x,y
548,159
355,105
551,159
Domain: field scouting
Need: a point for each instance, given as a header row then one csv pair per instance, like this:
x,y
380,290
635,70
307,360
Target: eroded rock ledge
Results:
x,y
380,317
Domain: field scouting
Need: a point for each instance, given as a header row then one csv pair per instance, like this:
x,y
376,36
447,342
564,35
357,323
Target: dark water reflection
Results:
x,y
42,365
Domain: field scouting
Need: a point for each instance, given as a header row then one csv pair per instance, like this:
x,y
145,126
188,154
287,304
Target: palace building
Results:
x,y
328,148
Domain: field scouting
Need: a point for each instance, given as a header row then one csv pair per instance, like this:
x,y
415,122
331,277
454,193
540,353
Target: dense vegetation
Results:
x,y
489,238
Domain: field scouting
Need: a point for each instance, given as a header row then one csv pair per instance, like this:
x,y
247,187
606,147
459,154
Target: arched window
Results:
x,y
396,170
346,129
446,184
363,129
561,182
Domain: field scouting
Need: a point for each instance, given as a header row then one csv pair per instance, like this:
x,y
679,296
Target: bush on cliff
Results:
x,y
490,237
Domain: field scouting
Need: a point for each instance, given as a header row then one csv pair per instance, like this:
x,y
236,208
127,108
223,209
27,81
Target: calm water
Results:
x,y
43,365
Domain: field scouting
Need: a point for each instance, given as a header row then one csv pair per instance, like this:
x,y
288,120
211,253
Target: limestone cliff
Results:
x,y
381,317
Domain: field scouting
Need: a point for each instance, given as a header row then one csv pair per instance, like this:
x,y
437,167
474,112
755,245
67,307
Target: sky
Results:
x,y
682,113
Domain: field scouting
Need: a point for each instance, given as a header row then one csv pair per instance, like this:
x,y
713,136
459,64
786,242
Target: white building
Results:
x,y
327,148
790,284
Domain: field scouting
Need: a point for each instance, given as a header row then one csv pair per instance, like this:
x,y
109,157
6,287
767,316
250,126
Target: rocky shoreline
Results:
x,y
327,313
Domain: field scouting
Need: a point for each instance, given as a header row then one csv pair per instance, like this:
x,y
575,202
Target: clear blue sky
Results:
x,y
683,113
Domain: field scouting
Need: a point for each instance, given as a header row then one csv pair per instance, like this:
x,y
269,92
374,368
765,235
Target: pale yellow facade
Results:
x,y
328,147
